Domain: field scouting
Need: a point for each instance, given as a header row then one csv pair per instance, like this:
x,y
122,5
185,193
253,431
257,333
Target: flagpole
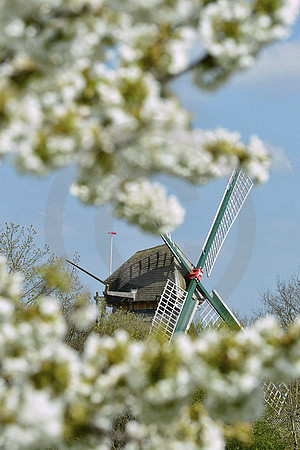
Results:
x,y
112,234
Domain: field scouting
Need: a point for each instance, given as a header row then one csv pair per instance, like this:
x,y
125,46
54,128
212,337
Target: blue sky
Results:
x,y
264,242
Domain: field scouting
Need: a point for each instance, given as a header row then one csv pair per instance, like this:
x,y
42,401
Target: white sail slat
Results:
x,y
238,196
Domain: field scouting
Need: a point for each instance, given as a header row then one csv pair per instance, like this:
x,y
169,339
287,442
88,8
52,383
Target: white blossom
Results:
x,y
83,316
6,308
146,204
258,167
226,31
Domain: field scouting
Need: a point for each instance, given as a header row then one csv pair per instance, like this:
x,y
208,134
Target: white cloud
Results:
x,y
278,67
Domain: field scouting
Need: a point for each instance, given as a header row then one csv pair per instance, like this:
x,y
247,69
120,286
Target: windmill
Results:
x,y
177,307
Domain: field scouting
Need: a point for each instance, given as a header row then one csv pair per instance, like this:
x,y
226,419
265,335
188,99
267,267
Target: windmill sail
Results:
x,y
237,191
233,199
168,311
179,255
275,396
209,317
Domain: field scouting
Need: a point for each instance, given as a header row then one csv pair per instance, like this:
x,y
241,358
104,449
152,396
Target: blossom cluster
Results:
x,y
50,395
84,82
233,32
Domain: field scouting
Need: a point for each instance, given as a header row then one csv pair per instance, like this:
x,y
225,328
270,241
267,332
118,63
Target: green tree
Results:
x,y
264,437
24,256
283,302
44,274
137,327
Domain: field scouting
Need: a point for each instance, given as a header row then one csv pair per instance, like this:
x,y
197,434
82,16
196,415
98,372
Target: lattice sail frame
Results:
x,y
243,186
209,317
275,396
168,310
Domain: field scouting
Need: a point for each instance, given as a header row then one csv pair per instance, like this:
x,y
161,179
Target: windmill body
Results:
x,y
136,286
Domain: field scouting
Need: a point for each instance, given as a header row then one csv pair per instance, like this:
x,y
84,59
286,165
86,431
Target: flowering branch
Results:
x,y
50,395
82,82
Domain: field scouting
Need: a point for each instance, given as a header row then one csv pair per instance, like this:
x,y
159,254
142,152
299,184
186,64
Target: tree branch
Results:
x,y
171,76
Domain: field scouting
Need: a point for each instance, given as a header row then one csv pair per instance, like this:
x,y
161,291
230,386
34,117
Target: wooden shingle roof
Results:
x,y
146,272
